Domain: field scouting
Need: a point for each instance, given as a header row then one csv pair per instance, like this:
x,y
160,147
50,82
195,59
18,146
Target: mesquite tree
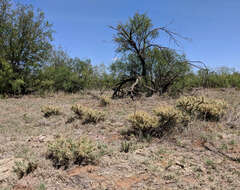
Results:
x,y
136,38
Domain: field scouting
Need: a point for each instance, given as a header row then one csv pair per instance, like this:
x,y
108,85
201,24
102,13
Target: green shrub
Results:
x,y
142,121
63,152
50,110
202,107
88,115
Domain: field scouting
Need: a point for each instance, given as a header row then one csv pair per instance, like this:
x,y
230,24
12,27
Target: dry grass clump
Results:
x,y
65,151
50,110
202,107
170,116
105,101
88,115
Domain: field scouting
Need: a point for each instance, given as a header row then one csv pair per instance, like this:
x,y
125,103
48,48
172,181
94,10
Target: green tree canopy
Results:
x,y
25,38
143,58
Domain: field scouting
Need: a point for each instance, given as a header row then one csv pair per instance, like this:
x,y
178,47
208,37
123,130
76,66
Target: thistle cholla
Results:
x,y
168,114
141,120
104,101
50,110
202,107
89,115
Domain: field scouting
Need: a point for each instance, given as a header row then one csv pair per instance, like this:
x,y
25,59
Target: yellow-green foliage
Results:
x,y
84,151
104,101
50,110
88,115
79,110
169,115
65,151
142,121
205,108
23,168
93,116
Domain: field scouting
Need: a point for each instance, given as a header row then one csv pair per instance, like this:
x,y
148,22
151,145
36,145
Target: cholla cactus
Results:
x,y
63,152
50,110
79,110
104,101
89,115
93,116
168,115
202,107
142,121
85,151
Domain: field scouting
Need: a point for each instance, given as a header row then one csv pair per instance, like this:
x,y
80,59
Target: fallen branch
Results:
x,y
216,151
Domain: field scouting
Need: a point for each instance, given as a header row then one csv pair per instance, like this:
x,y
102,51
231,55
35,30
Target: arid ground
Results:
x,y
206,155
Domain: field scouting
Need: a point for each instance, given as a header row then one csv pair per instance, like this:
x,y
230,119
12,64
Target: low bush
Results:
x,y
50,110
88,115
202,107
63,152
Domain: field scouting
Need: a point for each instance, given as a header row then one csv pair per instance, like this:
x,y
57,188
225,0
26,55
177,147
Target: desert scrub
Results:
x,y
23,168
79,110
85,151
64,152
169,116
88,115
202,107
50,110
105,101
61,152
142,121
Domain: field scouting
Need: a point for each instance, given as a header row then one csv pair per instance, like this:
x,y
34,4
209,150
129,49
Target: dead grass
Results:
x,y
198,158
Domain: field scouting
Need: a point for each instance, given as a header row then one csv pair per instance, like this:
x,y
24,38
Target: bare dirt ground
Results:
x,y
206,155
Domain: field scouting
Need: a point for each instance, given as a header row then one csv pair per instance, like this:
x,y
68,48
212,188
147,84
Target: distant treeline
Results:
x,y
219,78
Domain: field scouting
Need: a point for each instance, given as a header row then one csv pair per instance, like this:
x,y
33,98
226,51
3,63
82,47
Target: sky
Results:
x,y
82,27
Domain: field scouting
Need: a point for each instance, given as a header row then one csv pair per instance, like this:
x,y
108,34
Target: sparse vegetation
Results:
x,y
79,110
50,110
64,152
202,107
170,116
142,121
104,100
23,168
125,146
150,141
87,114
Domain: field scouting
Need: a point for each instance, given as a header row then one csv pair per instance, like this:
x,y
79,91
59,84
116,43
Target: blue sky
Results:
x,y
82,26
